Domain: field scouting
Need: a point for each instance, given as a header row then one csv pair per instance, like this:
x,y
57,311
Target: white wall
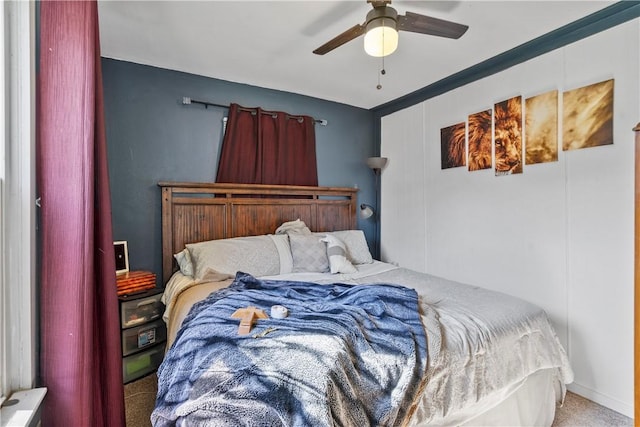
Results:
x,y
560,235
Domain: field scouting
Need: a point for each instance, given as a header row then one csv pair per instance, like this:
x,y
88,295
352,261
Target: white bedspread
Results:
x,y
482,344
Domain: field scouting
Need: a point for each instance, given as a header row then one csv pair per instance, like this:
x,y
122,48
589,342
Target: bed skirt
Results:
x,y
533,403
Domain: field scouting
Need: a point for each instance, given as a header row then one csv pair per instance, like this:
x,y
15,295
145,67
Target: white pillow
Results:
x,y
284,251
336,252
256,255
184,262
309,253
356,245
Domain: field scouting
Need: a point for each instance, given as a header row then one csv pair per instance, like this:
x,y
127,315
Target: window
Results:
x,y
3,159
17,197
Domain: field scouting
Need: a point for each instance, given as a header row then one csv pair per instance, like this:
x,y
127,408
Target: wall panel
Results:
x,y
559,235
403,191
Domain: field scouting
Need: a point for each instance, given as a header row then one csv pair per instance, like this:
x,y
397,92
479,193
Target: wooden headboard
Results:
x,y
195,212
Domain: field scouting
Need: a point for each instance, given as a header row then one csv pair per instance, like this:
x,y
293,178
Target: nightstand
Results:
x,y
144,333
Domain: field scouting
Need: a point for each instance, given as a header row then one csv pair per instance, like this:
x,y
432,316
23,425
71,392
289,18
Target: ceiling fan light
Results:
x,y
381,38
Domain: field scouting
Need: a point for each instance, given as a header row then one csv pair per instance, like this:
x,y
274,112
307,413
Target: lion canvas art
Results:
x,y
508,136
480,140
541,128
453,146
587,116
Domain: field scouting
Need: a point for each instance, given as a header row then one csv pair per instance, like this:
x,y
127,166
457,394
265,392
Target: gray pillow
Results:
x,y
309,253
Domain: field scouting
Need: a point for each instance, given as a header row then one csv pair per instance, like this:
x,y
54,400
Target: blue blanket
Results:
x,y
348,355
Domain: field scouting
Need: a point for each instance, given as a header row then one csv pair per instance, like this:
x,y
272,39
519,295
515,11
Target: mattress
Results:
x,y
485,348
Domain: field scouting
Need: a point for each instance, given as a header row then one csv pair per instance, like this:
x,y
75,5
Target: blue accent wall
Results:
x,y
152,137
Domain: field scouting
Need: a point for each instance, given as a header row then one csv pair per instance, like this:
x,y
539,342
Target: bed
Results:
x,y
369,344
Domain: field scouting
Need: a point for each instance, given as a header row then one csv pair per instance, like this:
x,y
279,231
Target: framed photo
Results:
x,y
122,257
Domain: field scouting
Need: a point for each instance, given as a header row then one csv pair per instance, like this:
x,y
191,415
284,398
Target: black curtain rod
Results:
x,y
187,101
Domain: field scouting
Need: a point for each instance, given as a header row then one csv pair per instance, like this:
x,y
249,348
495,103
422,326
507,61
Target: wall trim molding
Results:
x,y
611,16
601,399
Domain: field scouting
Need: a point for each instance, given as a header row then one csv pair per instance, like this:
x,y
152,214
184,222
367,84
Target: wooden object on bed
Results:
x,y
247,315
196,212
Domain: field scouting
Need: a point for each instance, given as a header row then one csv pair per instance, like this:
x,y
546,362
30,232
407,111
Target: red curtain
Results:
x,y
80,359
265,147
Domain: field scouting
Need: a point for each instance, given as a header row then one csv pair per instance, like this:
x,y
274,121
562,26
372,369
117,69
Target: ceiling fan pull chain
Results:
x,y
382,72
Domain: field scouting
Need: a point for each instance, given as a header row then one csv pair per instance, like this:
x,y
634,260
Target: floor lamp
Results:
x,y
376,164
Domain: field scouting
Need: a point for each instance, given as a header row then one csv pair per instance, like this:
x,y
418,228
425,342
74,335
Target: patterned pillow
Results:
x,y
337,254
309,253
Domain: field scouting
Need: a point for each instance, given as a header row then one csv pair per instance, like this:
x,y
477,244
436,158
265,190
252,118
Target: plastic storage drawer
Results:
x,y
143,336
140,364
138,311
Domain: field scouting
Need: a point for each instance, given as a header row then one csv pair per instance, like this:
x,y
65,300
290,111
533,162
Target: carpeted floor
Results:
x,y
577,411
580,412
139,399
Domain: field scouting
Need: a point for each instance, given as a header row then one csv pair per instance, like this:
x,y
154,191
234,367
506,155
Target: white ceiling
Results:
x,y
270,43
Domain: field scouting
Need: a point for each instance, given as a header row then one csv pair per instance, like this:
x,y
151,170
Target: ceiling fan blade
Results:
x,y
417,23
347,36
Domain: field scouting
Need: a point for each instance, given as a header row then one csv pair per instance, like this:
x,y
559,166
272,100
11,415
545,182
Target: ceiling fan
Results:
x,y
382,25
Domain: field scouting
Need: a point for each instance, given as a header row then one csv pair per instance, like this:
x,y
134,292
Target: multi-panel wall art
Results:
x,y
507,138
452,146
480,140
587,116
541,128
587,121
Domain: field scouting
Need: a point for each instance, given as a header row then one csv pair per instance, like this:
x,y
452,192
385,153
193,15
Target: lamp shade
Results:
x,y
381,38
376,162
366,211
